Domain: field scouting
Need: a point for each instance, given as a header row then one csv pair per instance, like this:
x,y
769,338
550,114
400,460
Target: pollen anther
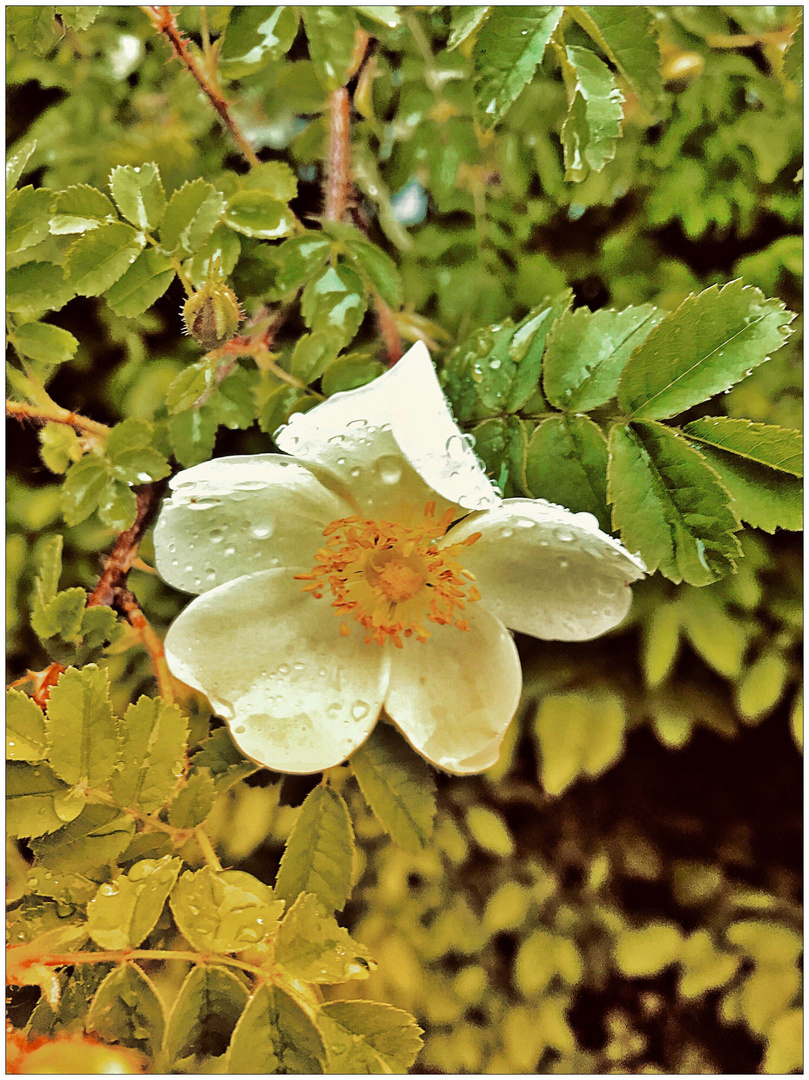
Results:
x,y
390,578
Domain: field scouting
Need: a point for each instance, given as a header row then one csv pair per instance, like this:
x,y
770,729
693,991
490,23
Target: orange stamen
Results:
x,y
390,578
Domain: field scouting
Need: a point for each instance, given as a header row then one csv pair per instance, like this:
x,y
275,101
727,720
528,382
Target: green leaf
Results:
x,y
36,286
762,686
717,635
209,1003
312,947
222,248
139,195
319,854
465,21
763,497
81,727
566,463
784,1052
647,950
97,836
192,436
764,444
373,265
274,1035
16,161
528,345
704,966
334,300
670,505
153,743
398,785
27,217
577,734
193,802
661,642
298,259
490,831
117,507
331,36
189,386
79,18
37,802
127,1009
223,759
313,353
26,739
80,208
710,342
125,911
274,177
224,911
61,616
99,626
626,34
349,371
509,45
130,448
83,488
144,282
767,942
260,215
98,259
369,1037
193,211
59,446
43,342
46,583
32,28
254,36
587,351
595,111
542,956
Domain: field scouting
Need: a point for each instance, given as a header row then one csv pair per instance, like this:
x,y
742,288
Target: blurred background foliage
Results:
x,y
621,892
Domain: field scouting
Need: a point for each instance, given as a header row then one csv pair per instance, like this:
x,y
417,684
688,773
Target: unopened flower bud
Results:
x,y
212,315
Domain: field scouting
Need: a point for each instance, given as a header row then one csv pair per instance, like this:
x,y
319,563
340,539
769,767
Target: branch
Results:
x,y
123,554
165,23
57,415
149,639
338,182
338,188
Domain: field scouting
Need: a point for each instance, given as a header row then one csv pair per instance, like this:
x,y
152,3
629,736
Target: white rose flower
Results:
x,y
376,568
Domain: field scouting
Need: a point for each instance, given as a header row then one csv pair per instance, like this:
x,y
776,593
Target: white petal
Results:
x,y
454,696
548,572
297,696
238,515
392,442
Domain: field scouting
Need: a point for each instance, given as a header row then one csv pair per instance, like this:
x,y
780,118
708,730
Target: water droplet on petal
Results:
x,y
565,535
359,710
389,469
216,536
283,669
262,530
230,550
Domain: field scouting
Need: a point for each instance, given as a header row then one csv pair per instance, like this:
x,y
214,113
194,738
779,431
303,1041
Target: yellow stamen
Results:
x,y
390,578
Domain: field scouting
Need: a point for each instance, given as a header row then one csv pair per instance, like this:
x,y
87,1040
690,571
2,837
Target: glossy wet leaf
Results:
x,y
26,739
254,36
709,343
82,730
320,851
139,195
127,1009
33,793
43,342
101,257
274,1034
223,911
369,1037
566,463
260,215
627,36
330,35
595,113
143,283
670,505
398,786
209,1003
763,444
125,911
311,946
80,208
153,747
97,836
27,217
192,213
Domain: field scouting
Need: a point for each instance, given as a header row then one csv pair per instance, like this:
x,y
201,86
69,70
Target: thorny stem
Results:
x,y
207,848
165,23
149,639
124,552
57,415
339,152
122,956
338,187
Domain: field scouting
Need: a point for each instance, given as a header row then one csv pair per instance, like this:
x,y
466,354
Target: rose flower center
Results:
x,y
391,579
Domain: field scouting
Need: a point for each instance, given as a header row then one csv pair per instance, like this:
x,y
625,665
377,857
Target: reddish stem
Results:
x,y
339,156
124,552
